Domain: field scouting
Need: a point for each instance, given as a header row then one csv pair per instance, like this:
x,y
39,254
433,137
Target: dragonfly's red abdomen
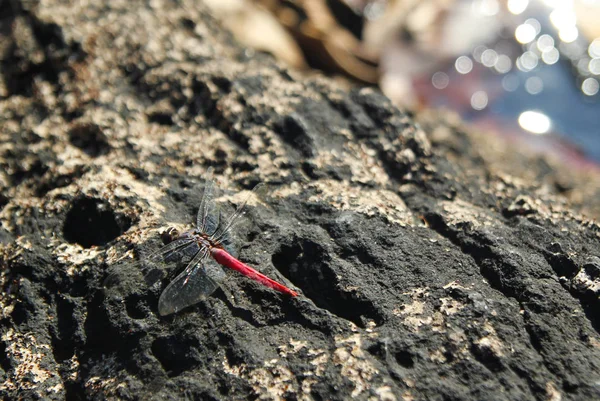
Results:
x,y
225,259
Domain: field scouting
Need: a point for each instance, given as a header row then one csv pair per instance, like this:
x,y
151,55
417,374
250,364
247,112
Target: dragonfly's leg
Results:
x,y
229,295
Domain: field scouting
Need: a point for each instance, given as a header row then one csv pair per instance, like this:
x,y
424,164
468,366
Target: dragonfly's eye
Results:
x,y
169,235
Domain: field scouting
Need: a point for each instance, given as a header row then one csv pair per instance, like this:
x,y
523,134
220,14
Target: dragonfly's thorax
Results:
x,y
203,239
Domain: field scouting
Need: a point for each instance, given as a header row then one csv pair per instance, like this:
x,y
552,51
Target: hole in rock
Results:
x,y
64,335
187,23
176,355
161,118
90,139
92,222
24,171
295,130
405,359
4,361
136,307
309,267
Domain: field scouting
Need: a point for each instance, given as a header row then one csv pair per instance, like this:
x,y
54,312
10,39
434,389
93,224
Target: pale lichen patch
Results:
x,y
413,314
437,355
585,281
272,381
523,205
7,302
286,191
451,306
370,327
384,393
24,242
346,197
350,357
490,341
460,212
250,197
306,387
320,363
419,312
273,373
294,347
552,392
407,396
594,342
454,285
438,322
74,256
104,386
27,372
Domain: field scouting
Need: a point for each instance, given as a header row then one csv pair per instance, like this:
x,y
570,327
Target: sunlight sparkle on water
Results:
x,y
535,24
534,85
553,3
590,86
583,66
477,52
594,66
510,83
489,58
534,122
463,65
568,34
594,48
545,42
517,6
440,80
486,7
562,18
528,61
525,33
550,56
503,64
479,100
572,50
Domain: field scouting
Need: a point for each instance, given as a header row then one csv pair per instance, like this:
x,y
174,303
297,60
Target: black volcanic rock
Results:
x,y
431,264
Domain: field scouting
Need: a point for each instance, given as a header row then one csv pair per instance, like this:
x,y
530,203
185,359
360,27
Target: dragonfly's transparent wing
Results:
x,y
198,280
154,263
229,244
223,230
209,214
174,250
214,270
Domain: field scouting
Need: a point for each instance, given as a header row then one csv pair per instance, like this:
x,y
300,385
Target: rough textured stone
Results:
x,y
432,265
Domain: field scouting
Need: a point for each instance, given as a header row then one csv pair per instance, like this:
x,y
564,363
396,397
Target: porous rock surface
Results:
x,y
429,265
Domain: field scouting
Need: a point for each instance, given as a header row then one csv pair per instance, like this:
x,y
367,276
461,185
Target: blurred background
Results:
x,y
526,70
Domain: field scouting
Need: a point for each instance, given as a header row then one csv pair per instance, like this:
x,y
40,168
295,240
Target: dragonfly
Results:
x,y
207,247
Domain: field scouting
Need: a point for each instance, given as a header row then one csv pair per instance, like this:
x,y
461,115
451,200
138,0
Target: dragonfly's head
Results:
x,y
169,235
